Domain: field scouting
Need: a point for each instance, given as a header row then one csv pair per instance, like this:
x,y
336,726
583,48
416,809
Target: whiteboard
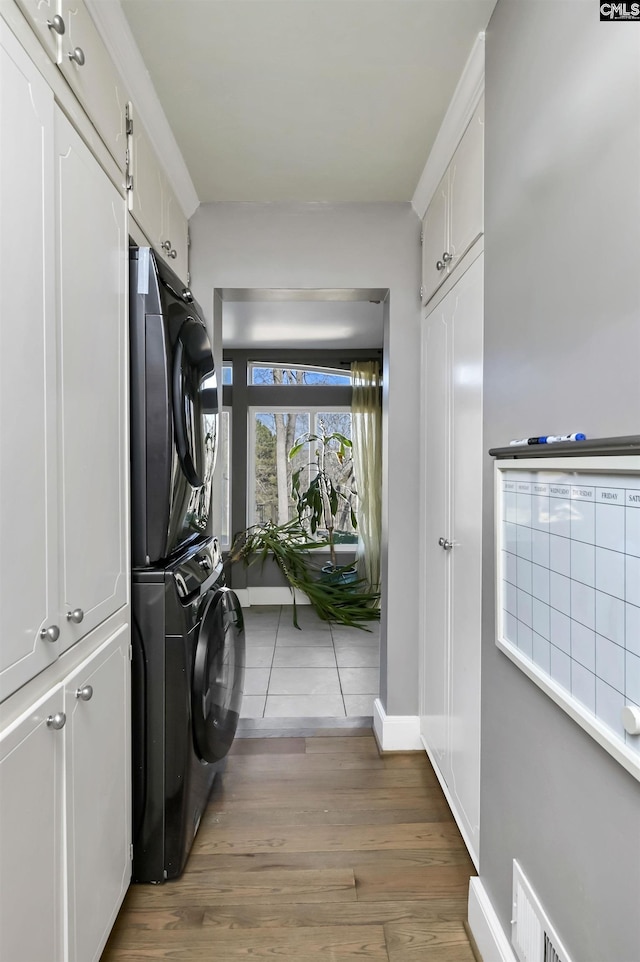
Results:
x,y
568,586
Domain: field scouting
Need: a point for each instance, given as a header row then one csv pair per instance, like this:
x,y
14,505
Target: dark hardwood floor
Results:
x,y
312,849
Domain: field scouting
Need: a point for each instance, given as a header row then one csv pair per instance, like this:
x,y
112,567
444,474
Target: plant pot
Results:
x,y
342,575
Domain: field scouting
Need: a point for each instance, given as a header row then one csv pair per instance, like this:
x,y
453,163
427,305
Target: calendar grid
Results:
x,y
570,584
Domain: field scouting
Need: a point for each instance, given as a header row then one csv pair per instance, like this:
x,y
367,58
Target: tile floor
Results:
x,y
317,671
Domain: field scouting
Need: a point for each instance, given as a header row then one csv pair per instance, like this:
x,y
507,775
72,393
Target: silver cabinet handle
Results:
x,y
76,616
52,633
77,56
84,694
440,265
446,257
173,254
56,24
166,245
445,544
57,721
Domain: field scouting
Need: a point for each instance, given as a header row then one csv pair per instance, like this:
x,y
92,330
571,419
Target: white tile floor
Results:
x,y
319,671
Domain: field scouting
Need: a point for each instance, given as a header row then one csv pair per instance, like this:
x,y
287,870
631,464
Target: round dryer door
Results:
x,y
218,676
192,374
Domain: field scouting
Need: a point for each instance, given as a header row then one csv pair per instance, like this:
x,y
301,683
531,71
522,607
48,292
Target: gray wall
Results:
x,y
345,246
562,353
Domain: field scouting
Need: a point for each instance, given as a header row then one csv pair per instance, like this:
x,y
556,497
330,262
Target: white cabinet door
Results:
x,y
31,832
175,231
92,364
28,483
435,681
435,236
40,14
147,195
466,555
466,189
451,489
90,72
98,809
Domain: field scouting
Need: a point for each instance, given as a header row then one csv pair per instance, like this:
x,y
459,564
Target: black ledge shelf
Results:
x,y
629,444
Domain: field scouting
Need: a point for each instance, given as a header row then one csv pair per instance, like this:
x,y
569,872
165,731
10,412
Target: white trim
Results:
x,y
113,27
473,854
489,935
396,733
466,98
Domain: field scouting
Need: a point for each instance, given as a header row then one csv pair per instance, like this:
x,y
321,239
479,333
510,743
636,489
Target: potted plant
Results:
x,y
323,502
290,547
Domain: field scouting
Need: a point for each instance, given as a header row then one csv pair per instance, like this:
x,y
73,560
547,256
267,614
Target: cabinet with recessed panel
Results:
x,y
65,814
454,218
154,206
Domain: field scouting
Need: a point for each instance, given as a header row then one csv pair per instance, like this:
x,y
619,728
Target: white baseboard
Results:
x,y
269,596
396,733
492,943
471,847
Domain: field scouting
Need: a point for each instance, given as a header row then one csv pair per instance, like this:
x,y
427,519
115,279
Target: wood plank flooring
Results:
x,y
314,849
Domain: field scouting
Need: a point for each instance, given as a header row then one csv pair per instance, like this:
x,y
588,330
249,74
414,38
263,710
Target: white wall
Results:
x,y
345,246
562,353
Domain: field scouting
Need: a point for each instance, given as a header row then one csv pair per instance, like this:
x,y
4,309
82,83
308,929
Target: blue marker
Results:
x,y
542,440
566,437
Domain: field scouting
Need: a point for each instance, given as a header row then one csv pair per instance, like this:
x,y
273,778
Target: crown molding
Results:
x,y
466,98
113,27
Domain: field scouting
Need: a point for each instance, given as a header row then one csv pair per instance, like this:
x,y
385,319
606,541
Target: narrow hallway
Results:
x,y
312,849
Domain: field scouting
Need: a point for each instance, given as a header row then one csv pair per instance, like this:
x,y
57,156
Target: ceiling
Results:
x,y
305,100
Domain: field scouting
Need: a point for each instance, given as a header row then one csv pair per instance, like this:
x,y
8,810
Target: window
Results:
x,y
272,435
227,372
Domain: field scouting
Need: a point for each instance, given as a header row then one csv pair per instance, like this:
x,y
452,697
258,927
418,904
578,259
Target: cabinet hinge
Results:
x,y
130,652
188,238
131,852
128,121
421,292
129,182
421,238
188,277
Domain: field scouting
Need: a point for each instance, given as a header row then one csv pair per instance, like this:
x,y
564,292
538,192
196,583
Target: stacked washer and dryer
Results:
x,y
188,633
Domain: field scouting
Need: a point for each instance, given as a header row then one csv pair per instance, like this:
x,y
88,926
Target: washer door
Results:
x,y
218,676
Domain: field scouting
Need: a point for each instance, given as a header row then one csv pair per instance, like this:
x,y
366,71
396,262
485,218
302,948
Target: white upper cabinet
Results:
x,y
155,206
92,265
68,33
455,217
28,461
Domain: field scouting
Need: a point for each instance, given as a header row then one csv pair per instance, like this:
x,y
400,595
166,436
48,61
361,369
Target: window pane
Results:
x,y
225,468
227,373
340,472
274,435
279,374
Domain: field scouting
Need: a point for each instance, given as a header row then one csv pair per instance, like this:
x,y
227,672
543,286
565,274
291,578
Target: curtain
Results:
x,y
366,411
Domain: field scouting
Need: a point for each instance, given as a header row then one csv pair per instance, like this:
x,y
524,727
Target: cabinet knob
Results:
x,y
56,24
52,633
84,694
166,245
76,616
440,265
173,254
446,257
447,545
77,56
57,721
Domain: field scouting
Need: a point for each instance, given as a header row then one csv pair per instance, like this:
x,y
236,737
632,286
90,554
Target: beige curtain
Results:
x,y
366,410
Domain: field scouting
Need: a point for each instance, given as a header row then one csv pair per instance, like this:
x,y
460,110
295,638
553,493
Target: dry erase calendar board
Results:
x,y
568,588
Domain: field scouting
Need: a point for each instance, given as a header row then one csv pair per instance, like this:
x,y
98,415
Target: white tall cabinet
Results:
x,y
451,481
65,779
452,557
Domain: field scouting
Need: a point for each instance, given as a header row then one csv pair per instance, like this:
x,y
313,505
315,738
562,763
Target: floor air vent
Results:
x,y
532,935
